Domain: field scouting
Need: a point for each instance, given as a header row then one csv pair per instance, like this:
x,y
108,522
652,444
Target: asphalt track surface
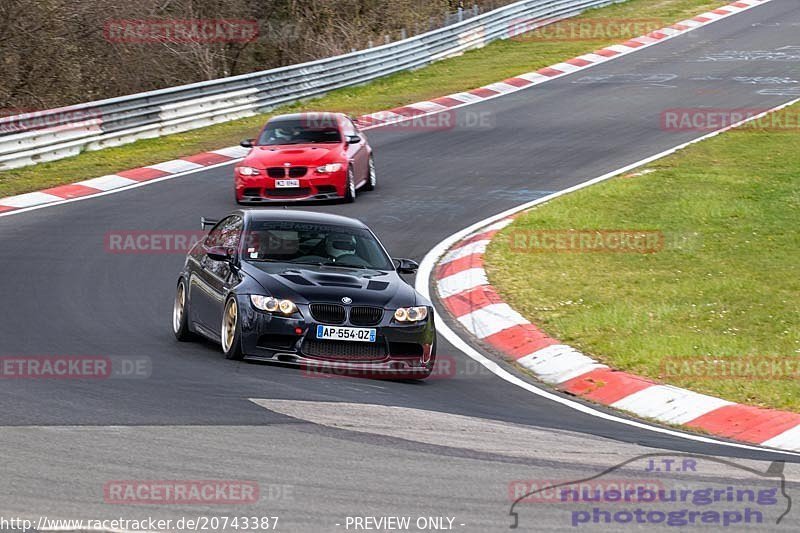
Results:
x,y
192,418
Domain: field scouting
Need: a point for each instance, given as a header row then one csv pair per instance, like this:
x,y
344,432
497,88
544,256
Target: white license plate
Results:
x,y
286,184
346,334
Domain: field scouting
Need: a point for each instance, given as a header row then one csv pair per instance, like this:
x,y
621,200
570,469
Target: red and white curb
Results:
x,y
121,180
465,291
137,176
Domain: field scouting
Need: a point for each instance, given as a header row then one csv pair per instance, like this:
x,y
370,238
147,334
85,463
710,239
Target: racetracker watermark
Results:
x,y
712,119
413,119
185,492
587,241
770,368
180,31
17,120
555,29
444,367
75,367
152,242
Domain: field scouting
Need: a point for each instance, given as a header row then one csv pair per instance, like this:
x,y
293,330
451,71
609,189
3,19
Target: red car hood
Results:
x,y
296,154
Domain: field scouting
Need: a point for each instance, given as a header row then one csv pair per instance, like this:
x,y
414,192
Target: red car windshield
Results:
x,y
299,132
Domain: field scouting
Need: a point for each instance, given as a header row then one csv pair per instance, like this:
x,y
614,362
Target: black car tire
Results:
x,y
372,176
180,313
350,187
233,339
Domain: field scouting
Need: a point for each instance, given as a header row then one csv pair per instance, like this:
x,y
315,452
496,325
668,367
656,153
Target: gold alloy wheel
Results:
x,y
229,325
179,308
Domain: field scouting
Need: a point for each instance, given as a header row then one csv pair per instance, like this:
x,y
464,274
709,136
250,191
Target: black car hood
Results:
x,y
309,283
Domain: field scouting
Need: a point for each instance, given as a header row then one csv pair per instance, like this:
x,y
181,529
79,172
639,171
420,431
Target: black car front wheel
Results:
x,y
231,331
180,313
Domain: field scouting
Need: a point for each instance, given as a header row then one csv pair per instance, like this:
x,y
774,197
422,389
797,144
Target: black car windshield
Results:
x,y
314,244
300,131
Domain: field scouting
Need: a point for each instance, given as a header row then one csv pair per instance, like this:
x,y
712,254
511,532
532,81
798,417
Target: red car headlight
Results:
x,y
329,168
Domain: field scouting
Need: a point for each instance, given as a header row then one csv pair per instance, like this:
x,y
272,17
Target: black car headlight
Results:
x,y
411,314
273,305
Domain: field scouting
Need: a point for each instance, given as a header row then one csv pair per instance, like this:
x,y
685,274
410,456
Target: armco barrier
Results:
x,y
56,133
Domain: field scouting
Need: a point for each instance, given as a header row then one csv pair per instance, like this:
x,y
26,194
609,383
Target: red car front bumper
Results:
x,y
312,186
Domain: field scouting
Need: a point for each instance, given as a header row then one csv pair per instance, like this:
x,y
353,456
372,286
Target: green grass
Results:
x,y
495,62
726,285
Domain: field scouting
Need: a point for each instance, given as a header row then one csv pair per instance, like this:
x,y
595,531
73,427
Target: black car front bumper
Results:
x,y
400,351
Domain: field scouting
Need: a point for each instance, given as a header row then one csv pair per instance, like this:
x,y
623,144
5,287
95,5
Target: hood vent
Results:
x,y
299,280
377,285
341,284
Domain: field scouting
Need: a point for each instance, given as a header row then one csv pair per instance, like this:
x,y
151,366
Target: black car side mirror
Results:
x,y
247,143
353,139
219,253
406,266
207,222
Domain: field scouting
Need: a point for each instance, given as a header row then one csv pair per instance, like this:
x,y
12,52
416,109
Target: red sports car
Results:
x,y
305,156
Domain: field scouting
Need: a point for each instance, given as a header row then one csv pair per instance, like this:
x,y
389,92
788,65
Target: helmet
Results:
x,y
339,244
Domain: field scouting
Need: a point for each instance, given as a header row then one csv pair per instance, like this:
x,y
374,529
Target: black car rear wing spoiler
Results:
x,y
207,222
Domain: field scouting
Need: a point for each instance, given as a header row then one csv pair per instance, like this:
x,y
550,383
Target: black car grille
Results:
x,y
327,313
344,350
294,191
282,172
297,172
366,316
252,192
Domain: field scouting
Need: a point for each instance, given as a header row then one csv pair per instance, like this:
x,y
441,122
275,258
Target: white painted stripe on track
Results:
x,y
594,58
567,67
427,106
501,87
534,77
462,281
497,226
235,152
491,319
29,199
107,183
622,49
789,440
669,404
175,166
477,247
558,363
466,97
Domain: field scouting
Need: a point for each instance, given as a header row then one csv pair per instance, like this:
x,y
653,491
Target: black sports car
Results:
x,y
312,289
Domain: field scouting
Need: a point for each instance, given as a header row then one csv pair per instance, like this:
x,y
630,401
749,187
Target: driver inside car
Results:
x,y
338,246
